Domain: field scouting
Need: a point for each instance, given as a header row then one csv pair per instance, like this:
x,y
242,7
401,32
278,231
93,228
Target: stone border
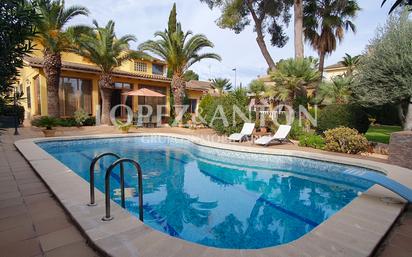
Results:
x,y
355,230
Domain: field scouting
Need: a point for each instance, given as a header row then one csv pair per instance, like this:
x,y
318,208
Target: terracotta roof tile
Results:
x,y
71,66
199,85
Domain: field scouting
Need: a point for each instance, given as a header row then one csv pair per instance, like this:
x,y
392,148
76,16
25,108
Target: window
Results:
x,y
140,66
75,94
157,69
119,85
192,105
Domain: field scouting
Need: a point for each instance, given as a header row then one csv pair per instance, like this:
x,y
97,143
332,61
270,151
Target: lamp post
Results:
x,y
16,115
235,70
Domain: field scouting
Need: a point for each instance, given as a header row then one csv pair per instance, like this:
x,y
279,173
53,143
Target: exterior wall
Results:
x,y
194,94
28,73
330,73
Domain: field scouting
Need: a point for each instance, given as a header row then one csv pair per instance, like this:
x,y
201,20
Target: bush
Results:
x,y
80,116
345,140
209,107
312,140
351,116
66,122
90,121
45,121
9,110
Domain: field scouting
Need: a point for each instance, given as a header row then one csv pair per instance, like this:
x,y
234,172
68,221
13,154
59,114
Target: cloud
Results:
x,y
142,18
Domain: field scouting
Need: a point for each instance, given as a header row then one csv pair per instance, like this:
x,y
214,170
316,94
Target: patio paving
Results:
x,y
33,223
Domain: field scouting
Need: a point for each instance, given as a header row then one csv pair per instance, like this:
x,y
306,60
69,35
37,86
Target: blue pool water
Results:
x,y
215,197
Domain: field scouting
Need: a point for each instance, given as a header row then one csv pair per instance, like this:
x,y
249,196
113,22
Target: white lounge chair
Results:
x,y
280,136
247,131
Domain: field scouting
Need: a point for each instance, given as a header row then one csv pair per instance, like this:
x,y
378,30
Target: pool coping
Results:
x,y
355,230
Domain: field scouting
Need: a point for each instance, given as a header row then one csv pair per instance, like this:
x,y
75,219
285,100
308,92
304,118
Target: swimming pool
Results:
x,y
216,197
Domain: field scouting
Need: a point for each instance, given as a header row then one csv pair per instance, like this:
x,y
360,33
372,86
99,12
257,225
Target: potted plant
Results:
x,y
48,123
122,126
80,116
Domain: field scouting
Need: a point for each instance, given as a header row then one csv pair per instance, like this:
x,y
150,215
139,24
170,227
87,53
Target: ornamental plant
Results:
x,y
312,140
345,140
46,122
80,116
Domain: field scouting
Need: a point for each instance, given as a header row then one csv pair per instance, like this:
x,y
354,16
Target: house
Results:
x,y
334,70
196,89
79,85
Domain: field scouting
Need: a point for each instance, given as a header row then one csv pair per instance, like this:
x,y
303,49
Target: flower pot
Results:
x,y
264,130
49,132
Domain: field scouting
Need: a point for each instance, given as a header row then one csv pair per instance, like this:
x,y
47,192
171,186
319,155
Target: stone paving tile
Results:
x,y
15,221
29,212
16,234
60,238
78,249
25,248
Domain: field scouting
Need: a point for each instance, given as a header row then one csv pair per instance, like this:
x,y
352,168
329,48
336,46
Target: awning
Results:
x,y
144,92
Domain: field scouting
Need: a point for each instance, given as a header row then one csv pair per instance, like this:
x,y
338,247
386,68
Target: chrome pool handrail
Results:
x,y
108,217
91,170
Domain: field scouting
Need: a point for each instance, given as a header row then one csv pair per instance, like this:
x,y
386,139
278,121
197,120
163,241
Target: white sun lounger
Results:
x,y
247,131
280,136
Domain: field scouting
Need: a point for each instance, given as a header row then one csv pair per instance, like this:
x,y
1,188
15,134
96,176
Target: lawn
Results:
x,y
381,133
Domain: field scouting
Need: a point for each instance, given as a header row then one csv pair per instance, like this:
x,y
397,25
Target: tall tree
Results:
x,y
269,16
384,75
180,50
55,37
221,84
298,17
326,22
350,62
103,48
17,18
292,76
397,3
257,89
190,75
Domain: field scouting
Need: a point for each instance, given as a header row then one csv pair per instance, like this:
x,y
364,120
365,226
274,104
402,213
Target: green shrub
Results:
x,y
90,121
208,108
345,140
351,116
312,140
80,116
66,122
45,121
9,110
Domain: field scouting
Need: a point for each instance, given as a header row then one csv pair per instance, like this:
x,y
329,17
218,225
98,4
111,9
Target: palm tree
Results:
x,y
102,48
55,37
397,4
350,62
221,84
325,23
180,50
338,91
292,77
298,13
257,89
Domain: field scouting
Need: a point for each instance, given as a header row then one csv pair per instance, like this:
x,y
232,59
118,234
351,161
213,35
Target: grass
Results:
x,y
381,133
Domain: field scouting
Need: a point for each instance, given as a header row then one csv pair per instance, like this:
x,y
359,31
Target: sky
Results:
x,y
142,18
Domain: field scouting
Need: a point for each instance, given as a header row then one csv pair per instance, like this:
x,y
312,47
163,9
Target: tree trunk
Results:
x,y
408,118
298,11
179,91
106,95
52,68
321,63
260,39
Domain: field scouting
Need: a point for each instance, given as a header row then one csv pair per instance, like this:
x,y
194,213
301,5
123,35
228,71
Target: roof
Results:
x,y
71,66
199,85
335,66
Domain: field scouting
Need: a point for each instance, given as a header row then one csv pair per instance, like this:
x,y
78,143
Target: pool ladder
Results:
x,y
120,161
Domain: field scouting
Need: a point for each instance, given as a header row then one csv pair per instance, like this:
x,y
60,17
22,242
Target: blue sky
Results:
x,y
143,17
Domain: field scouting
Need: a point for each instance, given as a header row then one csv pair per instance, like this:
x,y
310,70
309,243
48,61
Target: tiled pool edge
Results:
x,y
354,231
